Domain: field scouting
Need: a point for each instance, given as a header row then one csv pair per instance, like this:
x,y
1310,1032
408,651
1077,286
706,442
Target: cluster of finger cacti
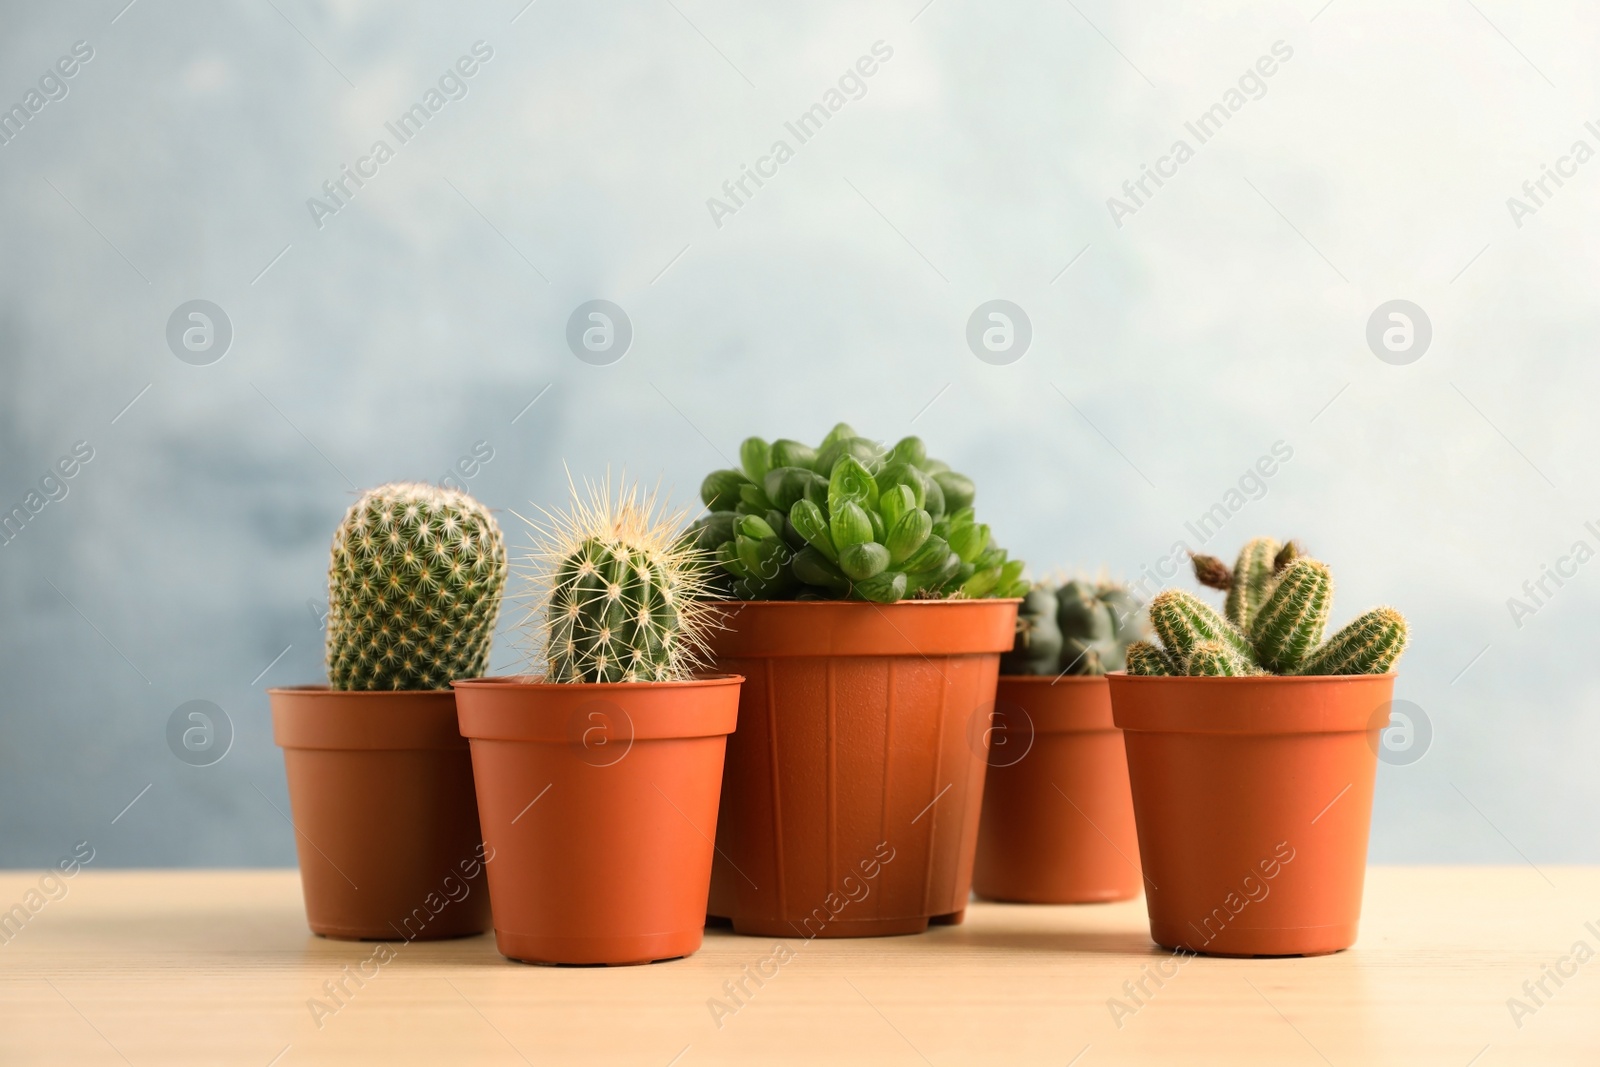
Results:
x,y
621,591
414,588
1077,627
1272,622
849,520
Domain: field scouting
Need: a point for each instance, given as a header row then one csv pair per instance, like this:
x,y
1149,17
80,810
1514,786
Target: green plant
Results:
x,y
414,587
621,591
1078,627
1273,622
849,520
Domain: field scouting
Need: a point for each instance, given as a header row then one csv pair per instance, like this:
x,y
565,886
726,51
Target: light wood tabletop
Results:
x,y
217,967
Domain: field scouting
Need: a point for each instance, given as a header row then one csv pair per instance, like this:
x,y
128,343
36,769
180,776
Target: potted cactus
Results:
x,y
1252,748
869,611
380,779
598,769
1057,825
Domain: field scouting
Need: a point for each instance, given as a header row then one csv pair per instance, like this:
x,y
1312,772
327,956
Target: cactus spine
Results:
x,y
414,584
1184,622
1369,645
1276,613
1150,661
1252,584
1217,659
622,593
1292,621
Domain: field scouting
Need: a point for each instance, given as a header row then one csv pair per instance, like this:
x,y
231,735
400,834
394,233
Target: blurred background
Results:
x,y
1337,157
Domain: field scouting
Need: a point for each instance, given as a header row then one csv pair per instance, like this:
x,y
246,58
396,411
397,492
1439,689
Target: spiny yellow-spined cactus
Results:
x,y
414,588
1275,615
621,591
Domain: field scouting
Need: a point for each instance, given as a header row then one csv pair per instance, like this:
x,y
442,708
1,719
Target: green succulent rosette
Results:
x,y
849,520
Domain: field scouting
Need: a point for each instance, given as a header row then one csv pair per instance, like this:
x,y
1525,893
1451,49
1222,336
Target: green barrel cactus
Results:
x,y
1078,627
848,519
414,588
622,592
1273,621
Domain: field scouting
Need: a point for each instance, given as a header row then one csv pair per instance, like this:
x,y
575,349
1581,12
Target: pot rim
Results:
x,y
808,629
585,714
1255,706
392,720
317,689
1253,679
531,681
1053,679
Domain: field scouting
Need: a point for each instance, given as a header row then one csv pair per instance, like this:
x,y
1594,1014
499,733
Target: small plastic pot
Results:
x,y
385,818
853,786
1057,824
1253,798
599,810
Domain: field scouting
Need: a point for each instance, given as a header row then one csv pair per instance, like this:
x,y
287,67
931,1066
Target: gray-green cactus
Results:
x,y
1078,627
414,586
1276,612
622,592
848,520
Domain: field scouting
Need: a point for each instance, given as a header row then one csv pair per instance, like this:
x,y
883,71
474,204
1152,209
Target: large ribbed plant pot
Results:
x,y
385,818
1057,824
1253,798
599,808
850,799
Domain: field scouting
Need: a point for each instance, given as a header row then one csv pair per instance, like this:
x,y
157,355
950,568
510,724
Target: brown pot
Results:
x,y
1254,799
1057,823
386,824
599,808
850,801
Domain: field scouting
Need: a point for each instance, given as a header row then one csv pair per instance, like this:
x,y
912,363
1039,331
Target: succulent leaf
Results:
x,y
755,456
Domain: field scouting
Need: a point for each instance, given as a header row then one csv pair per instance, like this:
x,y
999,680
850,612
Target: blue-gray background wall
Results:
x,y
1227,312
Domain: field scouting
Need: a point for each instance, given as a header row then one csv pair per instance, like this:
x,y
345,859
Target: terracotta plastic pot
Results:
x,y
850,801
599,808
386,823
1254,799
1057,823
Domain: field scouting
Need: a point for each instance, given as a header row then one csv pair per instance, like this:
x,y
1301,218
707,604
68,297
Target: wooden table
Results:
x,y
170,968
